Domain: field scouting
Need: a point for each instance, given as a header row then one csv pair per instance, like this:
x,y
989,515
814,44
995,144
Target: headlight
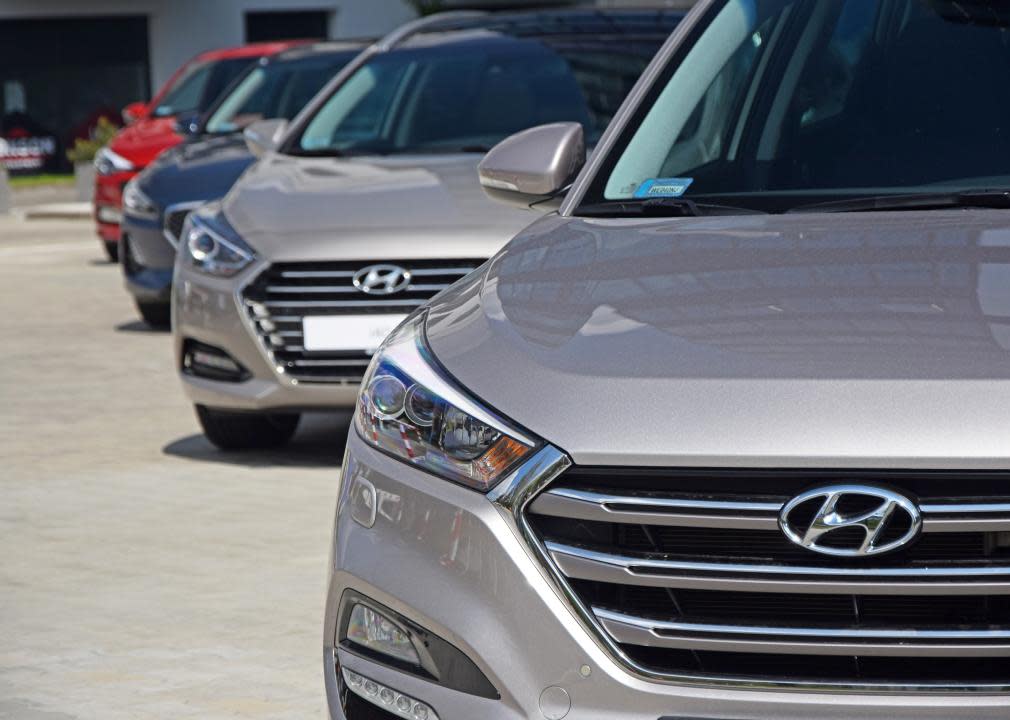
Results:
x,y
210,245
410,410
137,202
108,162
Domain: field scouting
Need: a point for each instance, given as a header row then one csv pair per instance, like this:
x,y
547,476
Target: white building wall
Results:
x,y
180,29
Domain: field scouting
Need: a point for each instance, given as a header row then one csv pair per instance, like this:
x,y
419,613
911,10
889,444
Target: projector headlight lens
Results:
x,y
409,409
210,245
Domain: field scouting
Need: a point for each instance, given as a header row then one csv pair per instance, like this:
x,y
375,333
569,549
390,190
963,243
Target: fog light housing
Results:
x,y
373,631
387,698
109,215
370,630
213,363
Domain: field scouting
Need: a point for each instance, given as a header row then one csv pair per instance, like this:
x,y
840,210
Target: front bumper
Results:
x,y
450,560
210,310
108,203
147,259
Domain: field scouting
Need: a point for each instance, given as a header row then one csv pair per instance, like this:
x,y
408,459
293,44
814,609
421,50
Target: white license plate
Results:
x,y
347,332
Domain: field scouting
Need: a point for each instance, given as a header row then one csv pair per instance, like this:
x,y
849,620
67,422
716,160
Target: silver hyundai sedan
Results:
x,y
368,205
727,436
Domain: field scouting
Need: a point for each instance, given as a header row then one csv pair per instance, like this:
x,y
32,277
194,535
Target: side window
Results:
x,y
605,79
358,110
185,96
366,117
708,132
692,122
221,76
828,78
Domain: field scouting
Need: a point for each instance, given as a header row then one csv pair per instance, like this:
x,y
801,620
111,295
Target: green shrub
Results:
x,y
85,150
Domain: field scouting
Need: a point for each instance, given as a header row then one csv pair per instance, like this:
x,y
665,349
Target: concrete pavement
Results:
x,y
142,573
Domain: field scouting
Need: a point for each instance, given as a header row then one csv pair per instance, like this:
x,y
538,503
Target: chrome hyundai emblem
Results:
x,y
850,520
382,279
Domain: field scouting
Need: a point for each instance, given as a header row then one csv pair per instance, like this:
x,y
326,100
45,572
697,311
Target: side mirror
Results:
x,y
533,165
188,124
134,111
265,135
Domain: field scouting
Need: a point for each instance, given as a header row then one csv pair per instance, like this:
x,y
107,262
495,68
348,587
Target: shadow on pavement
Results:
x,y
139,326
101,262
319,442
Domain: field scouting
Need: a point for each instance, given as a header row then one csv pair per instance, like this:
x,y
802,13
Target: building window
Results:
x,y
301,24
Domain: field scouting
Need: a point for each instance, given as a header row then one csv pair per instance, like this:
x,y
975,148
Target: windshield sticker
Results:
x,y
663,187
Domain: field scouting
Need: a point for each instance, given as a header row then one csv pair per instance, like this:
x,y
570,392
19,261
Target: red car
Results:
x,y
152,127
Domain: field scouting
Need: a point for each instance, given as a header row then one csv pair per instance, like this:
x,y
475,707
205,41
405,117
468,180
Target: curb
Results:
x,y
55,211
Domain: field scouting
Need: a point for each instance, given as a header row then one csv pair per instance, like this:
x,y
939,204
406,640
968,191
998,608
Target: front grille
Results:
x,y
174,220
280,298
687,574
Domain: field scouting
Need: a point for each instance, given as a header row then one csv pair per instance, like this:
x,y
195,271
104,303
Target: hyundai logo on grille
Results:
x,y
382,279
850,520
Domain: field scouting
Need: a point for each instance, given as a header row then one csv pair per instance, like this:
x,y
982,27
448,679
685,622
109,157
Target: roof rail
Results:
x,y
431,22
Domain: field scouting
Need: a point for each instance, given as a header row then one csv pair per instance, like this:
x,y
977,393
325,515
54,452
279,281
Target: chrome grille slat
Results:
x,y
654,567
312,289
805,641
352,304
280,298
330,363
582,564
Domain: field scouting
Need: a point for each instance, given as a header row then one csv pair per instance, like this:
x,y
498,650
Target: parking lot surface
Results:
x,y
143,574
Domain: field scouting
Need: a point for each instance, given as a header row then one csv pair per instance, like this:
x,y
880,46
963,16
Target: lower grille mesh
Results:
x,y
688,574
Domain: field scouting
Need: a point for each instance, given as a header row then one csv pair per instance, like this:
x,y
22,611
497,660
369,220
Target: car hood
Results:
x,y
291,208
856,340
196,171
142,141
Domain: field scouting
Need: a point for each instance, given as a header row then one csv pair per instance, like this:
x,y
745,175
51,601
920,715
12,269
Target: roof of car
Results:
x,y
549,23
324,47
250,50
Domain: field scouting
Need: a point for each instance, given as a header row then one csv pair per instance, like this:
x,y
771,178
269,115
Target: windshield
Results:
x,y
199,86
467,96
277,89
774,104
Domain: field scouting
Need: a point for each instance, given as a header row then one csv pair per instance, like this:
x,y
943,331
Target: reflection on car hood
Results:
x,y
196,171
871,339
142,141
294,208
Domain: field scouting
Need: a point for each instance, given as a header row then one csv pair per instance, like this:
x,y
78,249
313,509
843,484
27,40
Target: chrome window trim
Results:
x,y
513,497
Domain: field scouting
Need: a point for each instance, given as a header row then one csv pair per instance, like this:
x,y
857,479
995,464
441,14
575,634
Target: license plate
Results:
x,y
347,332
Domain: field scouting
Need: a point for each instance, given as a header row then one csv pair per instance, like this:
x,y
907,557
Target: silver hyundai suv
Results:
x,y
368,205
727,436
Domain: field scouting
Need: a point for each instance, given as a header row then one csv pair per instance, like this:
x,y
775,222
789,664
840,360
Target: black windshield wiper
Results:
x,y
661,207
998,199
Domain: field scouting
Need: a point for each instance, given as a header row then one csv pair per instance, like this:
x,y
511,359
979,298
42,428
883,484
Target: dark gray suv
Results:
x,y
725,437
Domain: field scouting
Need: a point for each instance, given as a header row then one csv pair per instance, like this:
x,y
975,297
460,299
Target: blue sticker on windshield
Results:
x,y
663,187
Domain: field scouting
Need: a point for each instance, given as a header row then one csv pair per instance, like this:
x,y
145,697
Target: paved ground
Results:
x,y
142,573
